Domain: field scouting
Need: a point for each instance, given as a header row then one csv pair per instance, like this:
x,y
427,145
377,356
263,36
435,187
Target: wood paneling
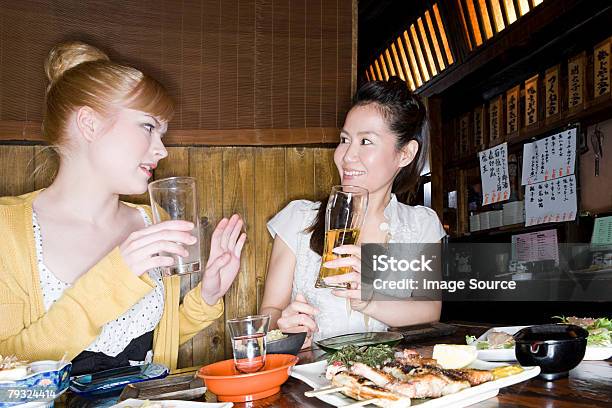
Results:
x,y
238,197
206,165
299,173
230,64
269,199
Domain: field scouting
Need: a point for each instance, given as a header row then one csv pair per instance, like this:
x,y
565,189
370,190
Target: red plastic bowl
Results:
x,y
223,380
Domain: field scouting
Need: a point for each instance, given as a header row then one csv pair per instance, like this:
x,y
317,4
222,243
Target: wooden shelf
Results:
x,y
510,229
593,113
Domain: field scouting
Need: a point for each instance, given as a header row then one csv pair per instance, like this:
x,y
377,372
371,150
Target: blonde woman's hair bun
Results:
x,y
68,55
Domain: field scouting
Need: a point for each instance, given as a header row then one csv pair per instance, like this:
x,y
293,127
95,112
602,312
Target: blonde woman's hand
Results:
x,y
141,250
297,317
353,279
224,259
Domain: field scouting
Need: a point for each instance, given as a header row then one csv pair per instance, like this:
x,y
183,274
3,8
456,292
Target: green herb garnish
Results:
x,y
374,356
600,330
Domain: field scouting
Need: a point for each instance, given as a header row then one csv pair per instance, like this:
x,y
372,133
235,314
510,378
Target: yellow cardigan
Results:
x,y
100,295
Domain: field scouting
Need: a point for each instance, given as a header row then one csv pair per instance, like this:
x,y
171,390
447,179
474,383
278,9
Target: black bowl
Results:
x,y
556,348
291,344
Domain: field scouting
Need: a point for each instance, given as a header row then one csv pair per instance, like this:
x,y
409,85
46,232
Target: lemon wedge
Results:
x,y
453,356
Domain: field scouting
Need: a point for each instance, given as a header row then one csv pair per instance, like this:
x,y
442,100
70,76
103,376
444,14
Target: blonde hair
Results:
x,y
81,75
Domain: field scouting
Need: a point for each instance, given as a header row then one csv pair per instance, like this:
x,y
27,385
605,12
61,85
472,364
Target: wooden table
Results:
x,y
588,385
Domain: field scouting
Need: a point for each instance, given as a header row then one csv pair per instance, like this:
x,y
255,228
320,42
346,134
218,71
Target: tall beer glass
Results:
x,y
344,217
175,198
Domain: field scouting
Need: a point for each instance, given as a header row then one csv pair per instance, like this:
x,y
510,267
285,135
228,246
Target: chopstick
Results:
x,y
360,403
323,391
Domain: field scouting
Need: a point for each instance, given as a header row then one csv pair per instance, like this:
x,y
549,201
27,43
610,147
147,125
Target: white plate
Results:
x,y
134,403
314,375
592,352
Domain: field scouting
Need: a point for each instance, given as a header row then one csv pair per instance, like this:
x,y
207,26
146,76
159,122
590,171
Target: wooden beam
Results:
x,y
436,156
449,12
491,13
465,13
30,132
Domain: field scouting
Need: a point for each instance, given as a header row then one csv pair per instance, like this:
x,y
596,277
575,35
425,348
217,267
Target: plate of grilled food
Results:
x,y
379,376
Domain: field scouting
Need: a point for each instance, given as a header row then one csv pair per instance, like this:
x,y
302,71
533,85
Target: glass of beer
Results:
x,y
175,198
344,217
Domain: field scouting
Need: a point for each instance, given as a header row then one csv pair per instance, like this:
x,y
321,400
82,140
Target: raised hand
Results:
x,y
224,259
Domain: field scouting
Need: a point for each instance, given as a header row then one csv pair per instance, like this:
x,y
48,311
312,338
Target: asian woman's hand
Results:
x,y
297,317
353,278
224,259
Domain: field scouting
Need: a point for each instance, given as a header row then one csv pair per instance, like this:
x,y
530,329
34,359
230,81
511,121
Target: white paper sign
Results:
x,y
551,201
494,174
549,158
536,246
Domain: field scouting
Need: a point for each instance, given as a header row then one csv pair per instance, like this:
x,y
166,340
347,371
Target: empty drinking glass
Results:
x,y
175,198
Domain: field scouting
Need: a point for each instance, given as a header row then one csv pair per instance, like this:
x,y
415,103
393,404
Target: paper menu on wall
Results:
x,y
551,201
549,158
535,246
494,174
602,231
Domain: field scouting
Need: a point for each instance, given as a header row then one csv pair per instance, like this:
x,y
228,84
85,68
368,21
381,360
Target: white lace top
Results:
x,y
406,224
141,318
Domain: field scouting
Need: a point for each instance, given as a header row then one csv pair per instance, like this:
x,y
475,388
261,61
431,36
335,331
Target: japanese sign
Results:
x,y
479,127
494,174
551,82
575,80
602,231
549,158
551,201
495,121
512,110
601,65
536,246
531,101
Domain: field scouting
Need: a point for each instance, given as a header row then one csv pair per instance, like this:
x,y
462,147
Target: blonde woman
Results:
x,y
78,267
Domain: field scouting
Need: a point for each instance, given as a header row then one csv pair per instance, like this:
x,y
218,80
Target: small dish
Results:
x,y
593,353
223,380
292,344
555,348
332,344
48,379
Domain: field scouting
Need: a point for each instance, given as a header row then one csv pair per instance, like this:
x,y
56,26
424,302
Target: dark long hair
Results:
x,y
406,117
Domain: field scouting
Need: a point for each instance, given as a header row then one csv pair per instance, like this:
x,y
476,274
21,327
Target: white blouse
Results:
x,y
406,224
141,318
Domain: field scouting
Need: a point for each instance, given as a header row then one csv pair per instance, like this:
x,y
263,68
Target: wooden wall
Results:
x,y
253,181
242,71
